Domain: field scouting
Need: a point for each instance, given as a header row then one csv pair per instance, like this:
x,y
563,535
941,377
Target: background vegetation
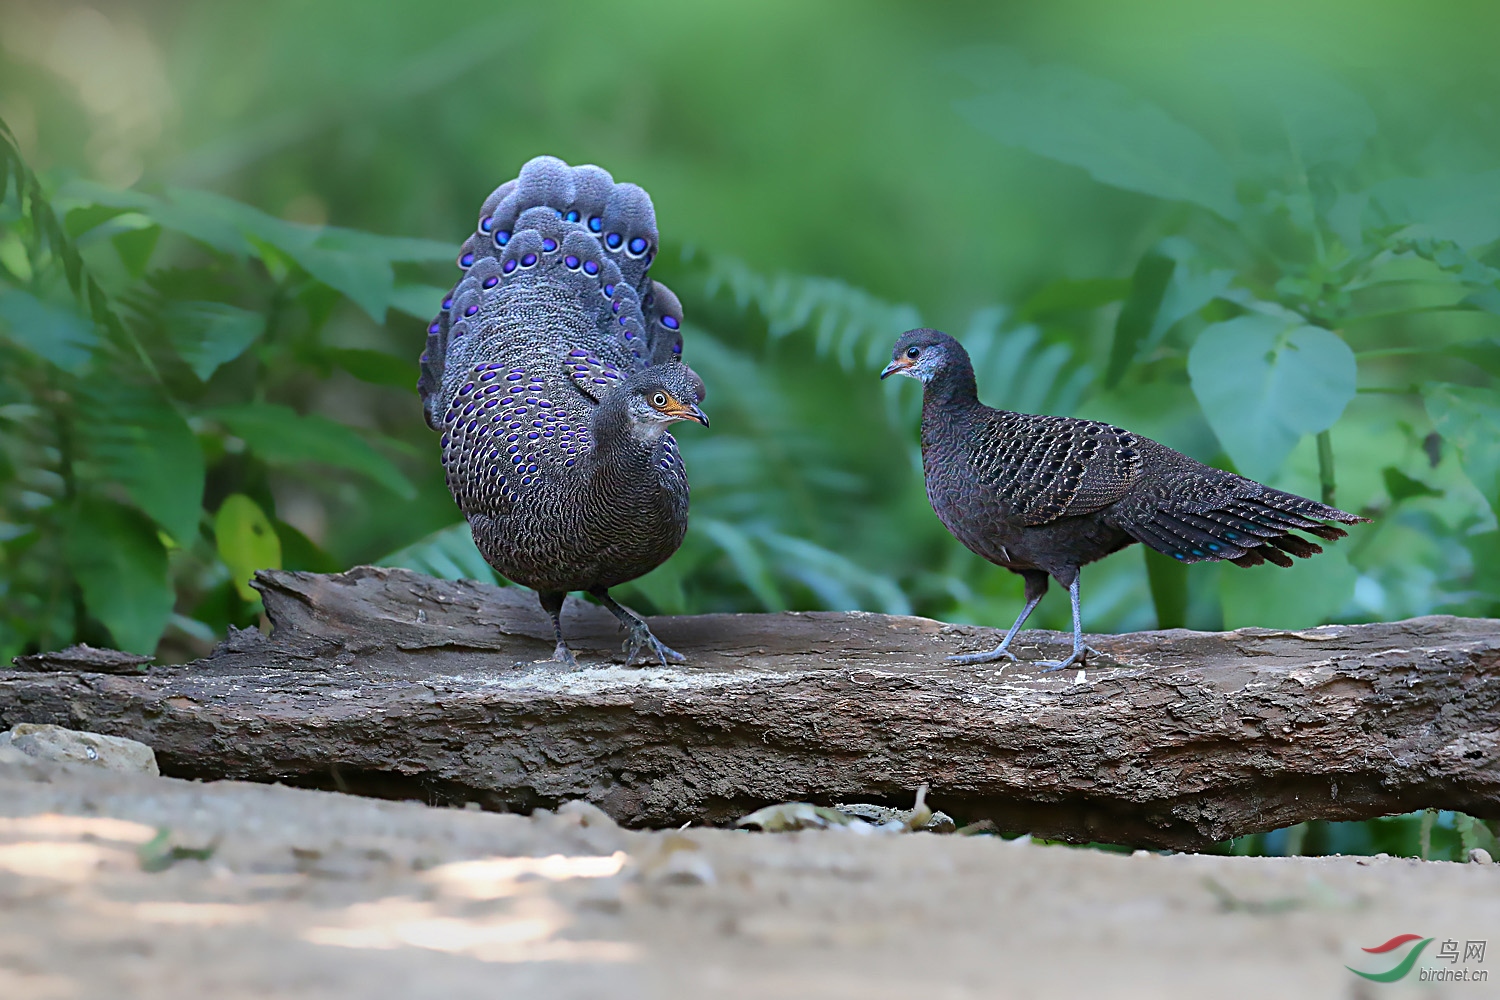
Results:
x,y
1266,239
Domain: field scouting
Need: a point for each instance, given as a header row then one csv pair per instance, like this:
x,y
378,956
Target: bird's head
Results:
x,y
922,354
663,394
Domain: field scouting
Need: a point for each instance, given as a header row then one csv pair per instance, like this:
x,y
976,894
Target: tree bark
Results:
x,y
385,682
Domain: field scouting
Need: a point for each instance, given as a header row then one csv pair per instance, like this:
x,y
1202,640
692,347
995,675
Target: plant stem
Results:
x,y
1325,466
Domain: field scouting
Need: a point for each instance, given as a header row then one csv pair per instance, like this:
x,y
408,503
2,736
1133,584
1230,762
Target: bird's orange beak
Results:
x,y
900,364
686,411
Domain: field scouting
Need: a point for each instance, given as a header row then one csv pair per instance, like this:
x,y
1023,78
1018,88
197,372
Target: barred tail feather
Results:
x,y
1247,530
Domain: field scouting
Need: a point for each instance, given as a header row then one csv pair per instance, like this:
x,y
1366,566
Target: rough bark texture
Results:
x,y
395,684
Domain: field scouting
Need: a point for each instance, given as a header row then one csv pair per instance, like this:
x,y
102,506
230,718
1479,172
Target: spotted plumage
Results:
x,y
1044,496
552,380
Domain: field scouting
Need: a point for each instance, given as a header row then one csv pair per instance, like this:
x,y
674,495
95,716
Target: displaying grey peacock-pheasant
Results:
x,y
552,373
1044,496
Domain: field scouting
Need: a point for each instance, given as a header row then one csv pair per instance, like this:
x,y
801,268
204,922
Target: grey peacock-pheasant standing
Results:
x,y
1044,496
552,373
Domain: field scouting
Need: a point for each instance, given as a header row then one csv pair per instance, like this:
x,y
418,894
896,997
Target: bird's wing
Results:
x,y
1044,468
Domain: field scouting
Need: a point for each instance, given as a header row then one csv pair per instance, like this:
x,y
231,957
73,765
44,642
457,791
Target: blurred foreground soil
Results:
x,y
315,894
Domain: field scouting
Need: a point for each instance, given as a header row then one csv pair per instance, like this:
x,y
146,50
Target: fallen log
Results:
x,y
386,682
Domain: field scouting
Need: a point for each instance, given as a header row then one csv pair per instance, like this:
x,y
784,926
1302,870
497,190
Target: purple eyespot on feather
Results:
x,y
615,307
502,237
609,291
486,224
466,261
514,377
549,244
571,262
508,266
613,240
638,246
595,223
435,328
624,320
572,215
448,302
470,310
526,481
670,322
532,435
491,281
591,267
543,403
628,334
468,388
676,348
486,377
528,260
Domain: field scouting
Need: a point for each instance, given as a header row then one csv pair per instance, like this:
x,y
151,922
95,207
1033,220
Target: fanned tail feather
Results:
x,y
1247,529
579,217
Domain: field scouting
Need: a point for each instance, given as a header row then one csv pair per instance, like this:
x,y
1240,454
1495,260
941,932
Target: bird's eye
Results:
x,y
912,352
659,400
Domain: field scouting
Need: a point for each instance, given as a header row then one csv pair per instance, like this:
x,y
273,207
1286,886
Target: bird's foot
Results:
x,y
562,654
1076,658
640,638
998,653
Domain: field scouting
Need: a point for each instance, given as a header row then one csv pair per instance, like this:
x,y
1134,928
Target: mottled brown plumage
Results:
x,y
1044,496
553,381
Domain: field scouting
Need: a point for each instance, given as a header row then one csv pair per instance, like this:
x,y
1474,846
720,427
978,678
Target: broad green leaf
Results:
x,y
375,367
1263,385
1310,592
80,220
1484,353
1138,314
298,552
421,301
135,247
1290,106
129,435
448,554
1464,208
391,249
1067,295
246,541
1399,486
52,332
1119,138
280,435
209,334
1169,589
1469,419
121,567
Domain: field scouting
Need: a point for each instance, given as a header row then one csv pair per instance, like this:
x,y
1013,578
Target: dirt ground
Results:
x,y
314,894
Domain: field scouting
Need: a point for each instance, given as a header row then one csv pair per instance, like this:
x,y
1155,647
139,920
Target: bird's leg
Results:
x,y
552,602
1080,651
1036,587
639,637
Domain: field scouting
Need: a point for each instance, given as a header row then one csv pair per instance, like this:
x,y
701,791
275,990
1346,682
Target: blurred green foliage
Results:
x,y
1269,242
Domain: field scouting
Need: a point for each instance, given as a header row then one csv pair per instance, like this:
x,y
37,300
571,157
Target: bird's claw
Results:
x,y
562,654
1078,656
999,653
640,638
